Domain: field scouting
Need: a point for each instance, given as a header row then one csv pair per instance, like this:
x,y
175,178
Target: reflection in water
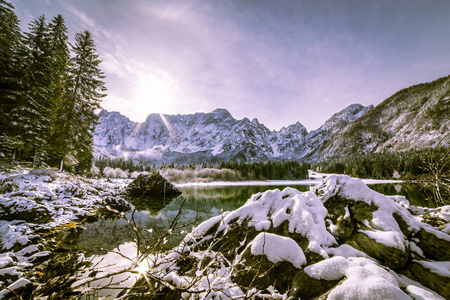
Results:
x,y
200,203
411,191
113,262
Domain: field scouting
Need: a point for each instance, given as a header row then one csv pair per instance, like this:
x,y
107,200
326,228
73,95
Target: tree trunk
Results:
x,y
61,166
34,157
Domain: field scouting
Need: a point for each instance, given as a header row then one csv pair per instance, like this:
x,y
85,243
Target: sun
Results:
x,y
156,92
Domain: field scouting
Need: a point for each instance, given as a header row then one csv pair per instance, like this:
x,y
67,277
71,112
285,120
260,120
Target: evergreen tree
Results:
x,y
86,89
11,39
32,116
60,74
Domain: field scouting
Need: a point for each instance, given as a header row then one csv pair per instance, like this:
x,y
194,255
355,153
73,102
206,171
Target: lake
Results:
x,y
202,202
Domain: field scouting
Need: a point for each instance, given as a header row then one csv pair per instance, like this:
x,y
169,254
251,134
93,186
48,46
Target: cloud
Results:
x,y
85,20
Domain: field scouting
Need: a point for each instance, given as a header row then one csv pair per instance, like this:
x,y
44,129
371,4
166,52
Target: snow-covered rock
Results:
x,y
343,241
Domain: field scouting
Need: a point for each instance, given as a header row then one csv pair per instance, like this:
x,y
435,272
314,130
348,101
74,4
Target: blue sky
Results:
x,y
279,61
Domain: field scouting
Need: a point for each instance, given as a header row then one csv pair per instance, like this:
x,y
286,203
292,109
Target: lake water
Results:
x,y
198,203
201,202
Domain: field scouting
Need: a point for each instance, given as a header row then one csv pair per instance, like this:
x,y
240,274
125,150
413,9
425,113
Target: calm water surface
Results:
x,y
201,203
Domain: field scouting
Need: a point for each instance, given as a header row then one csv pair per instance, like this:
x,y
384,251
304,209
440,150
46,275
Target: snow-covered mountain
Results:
x,y
413,118
417,117
213,136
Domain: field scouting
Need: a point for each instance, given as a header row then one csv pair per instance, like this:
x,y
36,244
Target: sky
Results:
x,y
280,61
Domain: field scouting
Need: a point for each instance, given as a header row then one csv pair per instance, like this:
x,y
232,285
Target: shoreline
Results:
x,y
274,183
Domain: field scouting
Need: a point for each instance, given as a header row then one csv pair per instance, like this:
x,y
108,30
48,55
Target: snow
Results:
x,y
388,238
418,293
415,290
273,183
304,213
364,279
12,234
346,251
215,134
441,268
330,269
46,200
5,260
248,183
67,198
385,228
278,248
22,282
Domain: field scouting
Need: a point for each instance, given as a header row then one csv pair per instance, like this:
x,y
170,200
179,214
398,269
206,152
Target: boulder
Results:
x,y
153,185
431,274
21,208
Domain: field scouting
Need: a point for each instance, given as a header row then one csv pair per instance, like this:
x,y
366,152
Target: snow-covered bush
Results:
x,y
95,171
203,175
109,172
134,174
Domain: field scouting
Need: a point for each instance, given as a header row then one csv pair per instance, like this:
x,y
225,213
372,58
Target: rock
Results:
x,y
7,186
434,244
391,257
117,203
153,185
24,209
18,287
423,272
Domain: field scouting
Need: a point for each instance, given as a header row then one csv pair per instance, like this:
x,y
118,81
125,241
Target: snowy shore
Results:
x,y
309,182
34,207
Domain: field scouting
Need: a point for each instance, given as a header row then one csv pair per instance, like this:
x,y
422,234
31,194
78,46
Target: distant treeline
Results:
x,y
272,170
405,165
283,169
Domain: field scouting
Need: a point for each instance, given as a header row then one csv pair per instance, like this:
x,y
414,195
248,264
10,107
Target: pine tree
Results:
x,y
11,39
32,117
85,91
60,75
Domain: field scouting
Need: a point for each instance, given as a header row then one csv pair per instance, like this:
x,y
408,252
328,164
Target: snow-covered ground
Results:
x,y
36,203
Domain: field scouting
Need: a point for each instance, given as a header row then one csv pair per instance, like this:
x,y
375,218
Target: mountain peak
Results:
x,y
347,115
221,111
256,122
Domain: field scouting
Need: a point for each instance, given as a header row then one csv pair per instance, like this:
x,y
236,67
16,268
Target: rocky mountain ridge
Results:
x,y
213,136
417,117
413,118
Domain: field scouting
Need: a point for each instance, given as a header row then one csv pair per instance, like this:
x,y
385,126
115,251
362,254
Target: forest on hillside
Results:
x,y
49,91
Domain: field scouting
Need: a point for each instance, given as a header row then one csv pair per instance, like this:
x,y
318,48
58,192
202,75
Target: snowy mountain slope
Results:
x,y
413,118
336,123
211,136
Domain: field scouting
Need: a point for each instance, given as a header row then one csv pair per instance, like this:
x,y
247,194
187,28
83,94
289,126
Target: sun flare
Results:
x,y
156,92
